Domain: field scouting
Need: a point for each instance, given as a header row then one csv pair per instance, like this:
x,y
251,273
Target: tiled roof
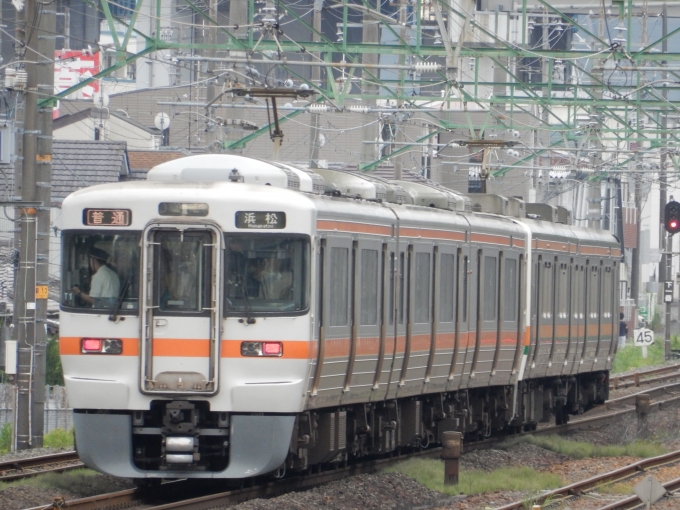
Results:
x,y
146,160
77,164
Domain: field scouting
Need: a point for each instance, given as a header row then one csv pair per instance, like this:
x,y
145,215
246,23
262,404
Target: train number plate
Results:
x,y
107,217
260,219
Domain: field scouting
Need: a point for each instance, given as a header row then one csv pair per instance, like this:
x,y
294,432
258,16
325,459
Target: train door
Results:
x,y
418,319
457,367
335,294
578,314
571,328
402,312
544,316
606,332
508,304
592,321
486,332
613,309
469,314
560,318
387,339
444,318
366,315
181,309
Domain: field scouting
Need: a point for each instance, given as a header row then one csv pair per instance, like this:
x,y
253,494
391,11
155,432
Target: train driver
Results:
x,y
105,285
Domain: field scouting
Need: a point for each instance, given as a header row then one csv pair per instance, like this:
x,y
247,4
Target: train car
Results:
x,y
230,317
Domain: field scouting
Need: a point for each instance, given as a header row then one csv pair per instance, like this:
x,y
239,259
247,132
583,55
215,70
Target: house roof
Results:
x,y
72,118
143,161
77,164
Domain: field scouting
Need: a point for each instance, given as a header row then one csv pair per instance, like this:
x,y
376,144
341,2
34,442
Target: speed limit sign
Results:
x,y
643,337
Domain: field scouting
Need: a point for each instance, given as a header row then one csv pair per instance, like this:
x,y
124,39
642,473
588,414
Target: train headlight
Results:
x,y
261,349
101,346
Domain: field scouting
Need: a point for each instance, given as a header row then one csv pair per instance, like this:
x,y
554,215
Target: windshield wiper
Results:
x,y
246,301
119,302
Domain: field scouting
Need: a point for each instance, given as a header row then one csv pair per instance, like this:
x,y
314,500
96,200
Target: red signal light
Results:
x,y
673,224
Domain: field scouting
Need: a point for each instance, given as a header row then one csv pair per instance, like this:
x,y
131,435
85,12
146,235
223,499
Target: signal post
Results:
x,y
671,222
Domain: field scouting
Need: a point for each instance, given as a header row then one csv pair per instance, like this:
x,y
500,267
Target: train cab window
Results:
x,y
510,286
447,287
422,288
267,273
490,286
369,287
100,271
182,266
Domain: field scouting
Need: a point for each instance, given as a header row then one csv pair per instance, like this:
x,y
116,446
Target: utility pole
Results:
x,y
211,132
314,131
30,294
370,33
667,247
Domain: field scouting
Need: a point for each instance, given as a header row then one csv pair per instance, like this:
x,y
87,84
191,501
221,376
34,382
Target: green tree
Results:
x,y
54,374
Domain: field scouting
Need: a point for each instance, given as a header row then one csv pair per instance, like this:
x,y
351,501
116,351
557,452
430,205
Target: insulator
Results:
x,y
318,108
427,67
20,79
358,108
10,74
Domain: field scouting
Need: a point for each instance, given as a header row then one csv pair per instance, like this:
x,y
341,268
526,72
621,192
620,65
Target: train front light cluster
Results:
x,y
101,346
261,349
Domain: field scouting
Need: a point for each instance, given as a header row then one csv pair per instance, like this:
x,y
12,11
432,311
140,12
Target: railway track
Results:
x,y
32,466
166,497
637,469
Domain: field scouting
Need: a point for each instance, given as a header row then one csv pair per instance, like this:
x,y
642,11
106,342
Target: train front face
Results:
x,y
185,326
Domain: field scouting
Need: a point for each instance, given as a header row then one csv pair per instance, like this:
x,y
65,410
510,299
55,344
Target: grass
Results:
x,y
57,438
581,450
431,472
630,357
83,482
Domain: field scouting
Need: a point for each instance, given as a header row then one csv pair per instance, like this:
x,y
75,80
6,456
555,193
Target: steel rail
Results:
x,y
635,502
582,486
17,467
148,496
628,378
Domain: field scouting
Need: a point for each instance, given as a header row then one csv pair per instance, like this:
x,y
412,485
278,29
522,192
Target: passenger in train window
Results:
x,y
105,285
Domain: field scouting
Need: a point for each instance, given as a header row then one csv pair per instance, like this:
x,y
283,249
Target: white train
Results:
x,y
231,317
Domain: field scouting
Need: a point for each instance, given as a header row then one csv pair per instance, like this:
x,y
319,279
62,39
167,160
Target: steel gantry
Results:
x,y
587,76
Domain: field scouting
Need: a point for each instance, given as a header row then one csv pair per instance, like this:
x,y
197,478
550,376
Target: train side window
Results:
x,y
490,287
562,292
547,295
369,287
402,281
606,292
447,287
510,285
339,286
391,279
422,288
464,298
593,298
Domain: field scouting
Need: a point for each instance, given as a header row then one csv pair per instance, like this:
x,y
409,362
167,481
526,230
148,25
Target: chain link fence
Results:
x,y
58,415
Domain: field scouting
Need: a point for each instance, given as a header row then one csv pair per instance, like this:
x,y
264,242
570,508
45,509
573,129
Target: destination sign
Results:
x,y
261,220
107,217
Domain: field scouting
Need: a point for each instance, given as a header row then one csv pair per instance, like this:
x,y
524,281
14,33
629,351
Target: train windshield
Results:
x,y
266,274
100,271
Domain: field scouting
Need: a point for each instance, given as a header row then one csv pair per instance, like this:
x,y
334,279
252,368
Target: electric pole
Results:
x,y
34,190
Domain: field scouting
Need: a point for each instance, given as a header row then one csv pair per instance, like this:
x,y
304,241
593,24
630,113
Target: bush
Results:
x,y
54,375
59,438
6,438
